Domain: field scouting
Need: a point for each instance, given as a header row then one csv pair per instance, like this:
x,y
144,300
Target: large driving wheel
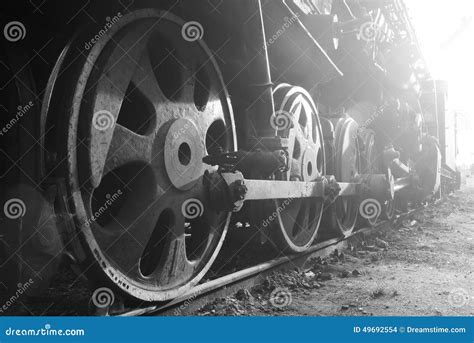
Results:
x,y
298,220
139,111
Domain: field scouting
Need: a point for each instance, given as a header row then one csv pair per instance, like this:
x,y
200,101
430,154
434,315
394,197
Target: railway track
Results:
x,y
248,277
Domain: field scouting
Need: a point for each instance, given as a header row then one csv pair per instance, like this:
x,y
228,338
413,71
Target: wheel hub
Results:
x,y
183,154
309,168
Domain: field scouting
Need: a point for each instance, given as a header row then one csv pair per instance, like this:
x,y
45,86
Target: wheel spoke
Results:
x,y
296,114
176,266
125,238
212,112
310,125
189,81
109,93
192,68
144,79
290,215
170,236
126,146
302,222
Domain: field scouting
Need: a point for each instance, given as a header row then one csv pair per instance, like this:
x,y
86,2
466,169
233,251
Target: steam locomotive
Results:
x,y
135,133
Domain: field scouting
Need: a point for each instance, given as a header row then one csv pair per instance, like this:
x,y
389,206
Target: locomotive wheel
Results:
x,y
141,110
369,163
298,220
388,206
347,167
428,167
30,246
372,164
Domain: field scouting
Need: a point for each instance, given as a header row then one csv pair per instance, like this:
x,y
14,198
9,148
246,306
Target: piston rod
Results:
x,y
229,190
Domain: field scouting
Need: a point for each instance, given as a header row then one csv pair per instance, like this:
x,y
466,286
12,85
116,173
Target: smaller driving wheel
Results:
x,y
372,163
388,208
346,167
297,220
369,166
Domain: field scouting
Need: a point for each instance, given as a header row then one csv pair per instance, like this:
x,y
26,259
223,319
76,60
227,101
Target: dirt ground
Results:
x,y
423,267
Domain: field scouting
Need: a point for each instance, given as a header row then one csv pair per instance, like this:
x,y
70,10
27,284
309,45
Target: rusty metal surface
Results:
x,y
150,161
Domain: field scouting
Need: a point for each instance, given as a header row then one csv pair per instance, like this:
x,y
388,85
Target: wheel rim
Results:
x,y
299,219
347,168
370,159
33,251
147,118
388,206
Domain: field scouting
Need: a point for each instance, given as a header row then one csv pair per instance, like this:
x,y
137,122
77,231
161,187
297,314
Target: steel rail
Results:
x,y
247,273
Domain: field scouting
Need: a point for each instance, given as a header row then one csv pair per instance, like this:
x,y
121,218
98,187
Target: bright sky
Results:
x,y
445,30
